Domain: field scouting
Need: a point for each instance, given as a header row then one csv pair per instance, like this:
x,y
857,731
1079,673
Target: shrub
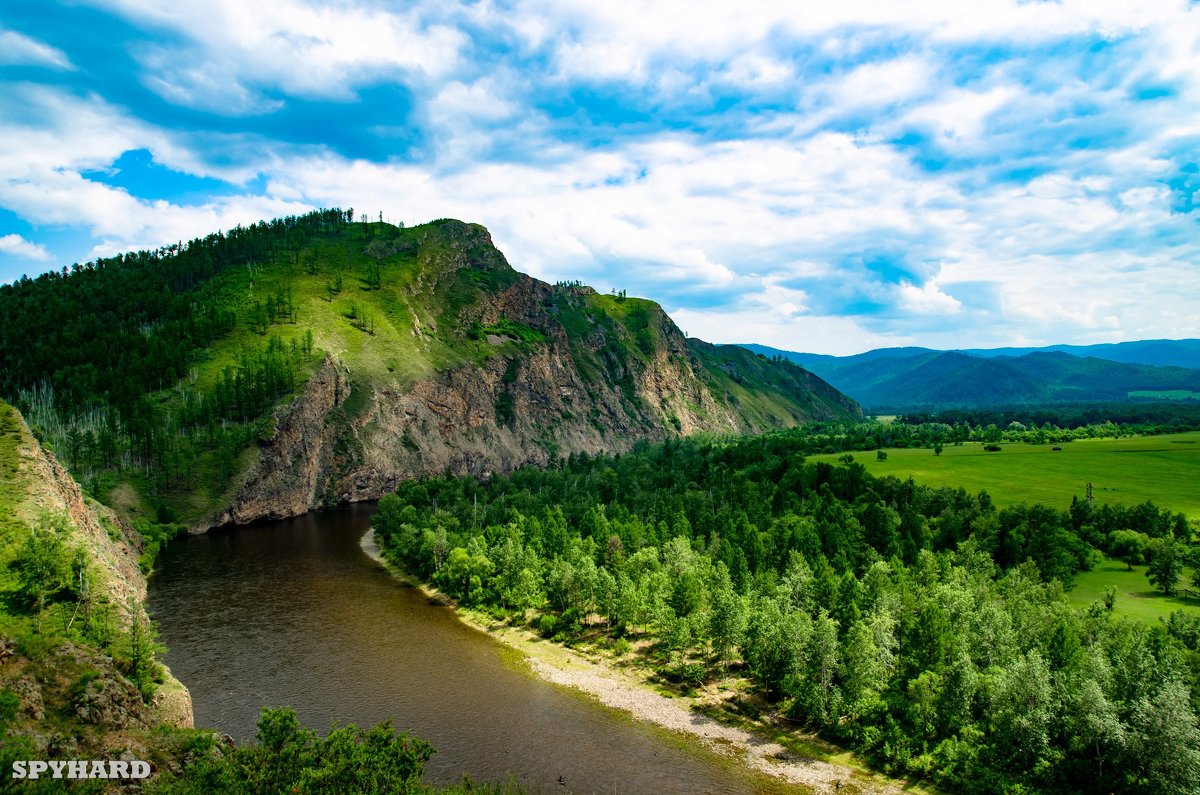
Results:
x,y
546,624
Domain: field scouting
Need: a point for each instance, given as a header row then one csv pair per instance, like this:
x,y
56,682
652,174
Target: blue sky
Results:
x,y
825,177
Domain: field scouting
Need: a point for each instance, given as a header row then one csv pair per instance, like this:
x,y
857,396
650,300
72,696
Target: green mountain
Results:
x,y
1161,353
919,378
265,370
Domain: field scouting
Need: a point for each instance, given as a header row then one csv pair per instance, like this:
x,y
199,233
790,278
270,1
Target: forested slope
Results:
x,y
923,627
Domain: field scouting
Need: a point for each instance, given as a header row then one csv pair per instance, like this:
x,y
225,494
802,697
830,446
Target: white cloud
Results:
x,y
958,117
18,49
46,148
627,39
883,83
840,336
45,130
303,49
17,246
761,158
680,216
756,70
927,299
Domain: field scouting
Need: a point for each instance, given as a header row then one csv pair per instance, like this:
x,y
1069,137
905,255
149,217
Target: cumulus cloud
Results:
x,y
237,51
927,299
17,246
847,176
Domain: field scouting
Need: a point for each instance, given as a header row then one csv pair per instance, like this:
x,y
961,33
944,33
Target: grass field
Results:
x,y
1136,597
1162,469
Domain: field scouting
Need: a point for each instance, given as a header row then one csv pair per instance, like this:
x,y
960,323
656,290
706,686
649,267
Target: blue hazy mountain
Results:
x,y
925,378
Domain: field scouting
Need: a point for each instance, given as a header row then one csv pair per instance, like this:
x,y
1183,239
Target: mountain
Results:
x,y
1160,353
919,378
265,370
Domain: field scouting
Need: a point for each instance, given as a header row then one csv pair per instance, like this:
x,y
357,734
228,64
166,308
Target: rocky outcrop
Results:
x,y
51,491
79,679
110,701
532,405
295,464
550,371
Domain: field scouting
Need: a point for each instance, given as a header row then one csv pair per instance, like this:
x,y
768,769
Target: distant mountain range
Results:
x,y
1160,353
921,378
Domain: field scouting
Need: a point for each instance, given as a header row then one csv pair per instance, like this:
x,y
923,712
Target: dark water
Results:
x,y
295,613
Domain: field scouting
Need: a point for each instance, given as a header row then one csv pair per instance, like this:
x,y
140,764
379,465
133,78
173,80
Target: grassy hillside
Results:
x,y
1162,469
765,389
160,377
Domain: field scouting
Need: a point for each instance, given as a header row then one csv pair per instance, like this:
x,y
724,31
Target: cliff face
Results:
x,y
295,466
549,371
72,697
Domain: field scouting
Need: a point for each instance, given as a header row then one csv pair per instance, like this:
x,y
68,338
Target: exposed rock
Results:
x,y
63,746
112,549
112,703
294,467
30,693
453,423
599,387
172,703
51,491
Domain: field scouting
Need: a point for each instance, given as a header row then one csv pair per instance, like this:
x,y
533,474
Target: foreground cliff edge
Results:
x,y
78,678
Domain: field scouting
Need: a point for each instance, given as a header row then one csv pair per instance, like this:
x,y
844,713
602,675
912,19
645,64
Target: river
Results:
x,y
294,613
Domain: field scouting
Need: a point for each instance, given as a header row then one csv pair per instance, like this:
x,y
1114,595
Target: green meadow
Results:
x,y
1163,469
1136,597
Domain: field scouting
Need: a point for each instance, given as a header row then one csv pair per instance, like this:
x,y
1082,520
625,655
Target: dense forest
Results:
x,y
1141,417
100,358
923,627
1039,425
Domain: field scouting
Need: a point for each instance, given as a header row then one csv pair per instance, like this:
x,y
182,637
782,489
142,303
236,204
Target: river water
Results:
x,y
294,613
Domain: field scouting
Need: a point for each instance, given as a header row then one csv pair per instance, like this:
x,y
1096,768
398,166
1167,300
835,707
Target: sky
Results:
x,y
815,176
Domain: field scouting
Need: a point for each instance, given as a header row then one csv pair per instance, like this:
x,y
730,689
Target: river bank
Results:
x,y
808,762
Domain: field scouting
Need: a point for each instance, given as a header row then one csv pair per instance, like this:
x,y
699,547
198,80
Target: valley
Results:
x,y
715,540
477,398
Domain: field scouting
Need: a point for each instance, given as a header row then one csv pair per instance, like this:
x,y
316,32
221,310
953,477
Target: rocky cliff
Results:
x,y
71,697
261,371
294,467
516,371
